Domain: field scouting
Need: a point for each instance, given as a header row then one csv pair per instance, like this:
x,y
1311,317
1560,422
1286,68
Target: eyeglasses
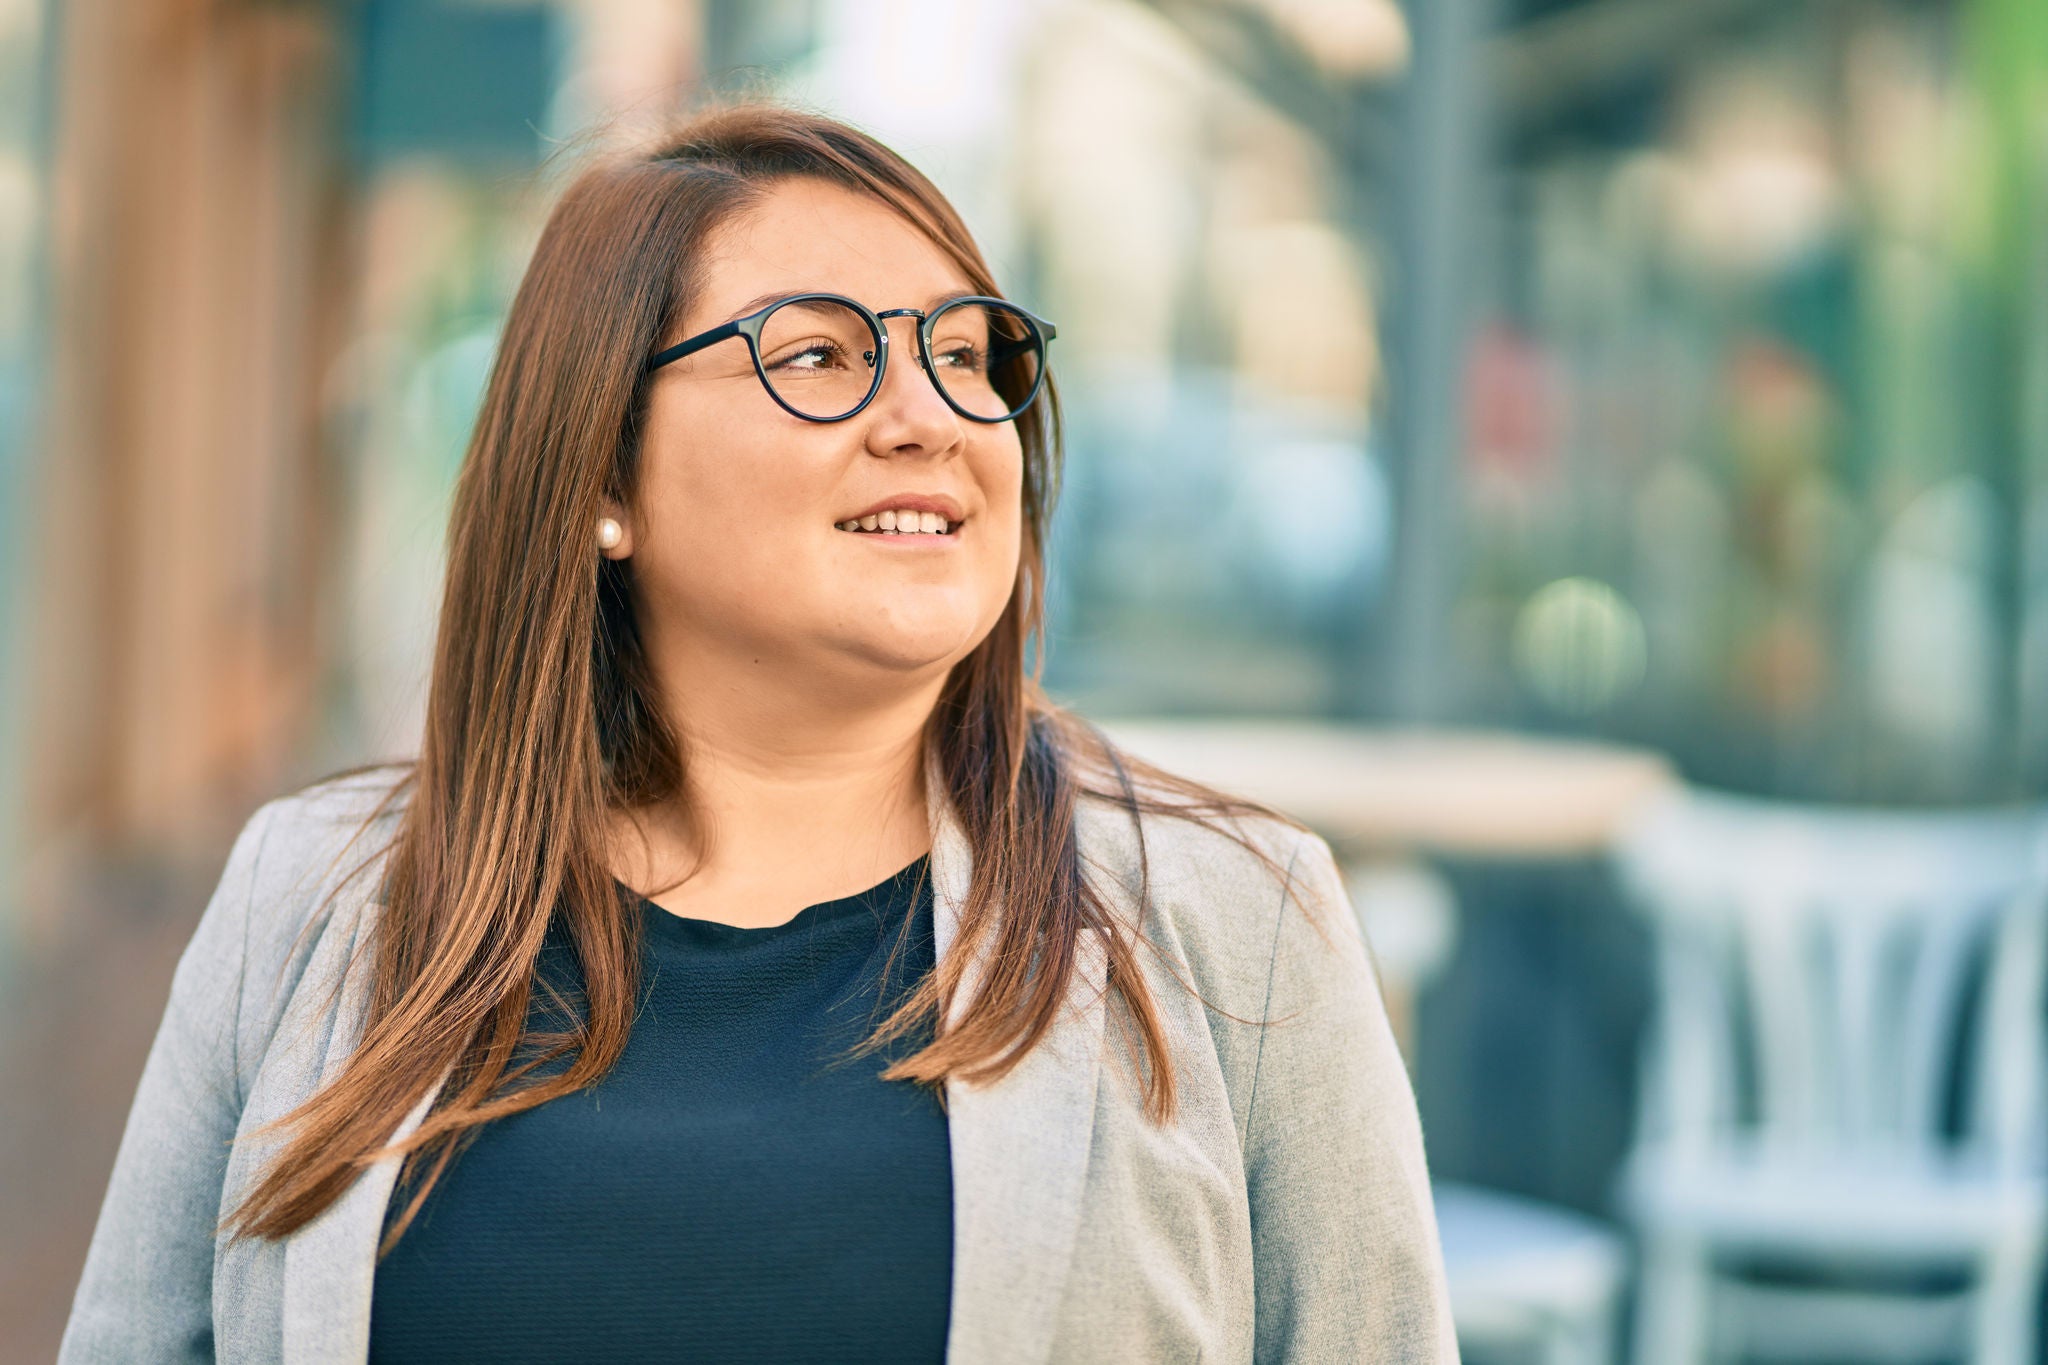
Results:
x,y
822,356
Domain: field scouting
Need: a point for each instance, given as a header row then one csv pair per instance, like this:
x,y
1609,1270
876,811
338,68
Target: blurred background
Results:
x,y
1587,457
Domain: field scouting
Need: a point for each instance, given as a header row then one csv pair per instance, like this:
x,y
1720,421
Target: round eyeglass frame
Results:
x,y
750,328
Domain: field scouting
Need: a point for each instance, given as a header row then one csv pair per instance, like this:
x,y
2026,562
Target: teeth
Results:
x,y
894,522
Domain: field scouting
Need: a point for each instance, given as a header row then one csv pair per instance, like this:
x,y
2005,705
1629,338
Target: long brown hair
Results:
x,y
543,716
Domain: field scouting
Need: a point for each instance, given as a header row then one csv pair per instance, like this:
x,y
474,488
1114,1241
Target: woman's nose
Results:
x,y
906,366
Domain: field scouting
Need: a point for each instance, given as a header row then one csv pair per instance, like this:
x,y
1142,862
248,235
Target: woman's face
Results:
x,y
736,541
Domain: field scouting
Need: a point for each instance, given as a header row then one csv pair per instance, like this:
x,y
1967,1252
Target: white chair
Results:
x,y
1830,980
1529,1281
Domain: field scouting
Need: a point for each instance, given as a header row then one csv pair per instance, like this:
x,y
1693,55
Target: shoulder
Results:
x,y
347,799
302,868
1211,889
311,856
293,841
1250,916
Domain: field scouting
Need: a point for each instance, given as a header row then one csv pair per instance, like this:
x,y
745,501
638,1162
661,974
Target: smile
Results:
x,y
905,526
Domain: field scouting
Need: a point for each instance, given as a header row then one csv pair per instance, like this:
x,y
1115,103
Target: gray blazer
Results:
x,y
1285,1216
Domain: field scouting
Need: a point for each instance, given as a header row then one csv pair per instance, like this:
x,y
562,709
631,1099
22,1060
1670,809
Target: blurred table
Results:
x,y
1467,793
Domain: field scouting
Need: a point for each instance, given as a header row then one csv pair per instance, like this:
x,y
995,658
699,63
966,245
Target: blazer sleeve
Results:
x,y
147,1289
1346,1260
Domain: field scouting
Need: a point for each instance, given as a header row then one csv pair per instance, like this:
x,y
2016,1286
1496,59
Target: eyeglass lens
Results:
x,y
819,358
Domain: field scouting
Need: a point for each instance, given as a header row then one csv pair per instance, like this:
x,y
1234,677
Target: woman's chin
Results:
x,y
914,649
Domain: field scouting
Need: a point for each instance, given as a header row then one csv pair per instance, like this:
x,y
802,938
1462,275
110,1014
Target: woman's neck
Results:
x,y
764,829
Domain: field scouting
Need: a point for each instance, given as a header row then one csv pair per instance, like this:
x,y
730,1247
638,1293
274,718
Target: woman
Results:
x,y
731,739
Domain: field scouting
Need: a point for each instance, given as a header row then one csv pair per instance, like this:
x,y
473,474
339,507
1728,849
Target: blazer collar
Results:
x,y
1019,1149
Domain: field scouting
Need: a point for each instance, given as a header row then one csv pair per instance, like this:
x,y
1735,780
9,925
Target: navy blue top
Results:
x,y
724,1194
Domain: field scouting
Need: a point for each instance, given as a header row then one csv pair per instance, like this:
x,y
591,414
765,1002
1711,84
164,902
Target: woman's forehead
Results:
x,y
804,237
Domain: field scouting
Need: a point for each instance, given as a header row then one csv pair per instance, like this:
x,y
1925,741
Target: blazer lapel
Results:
x,y
1019,1150
330,1263
1019,1145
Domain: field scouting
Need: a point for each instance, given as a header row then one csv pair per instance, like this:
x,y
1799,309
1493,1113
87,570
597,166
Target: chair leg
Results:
x,y
1671,1310
2003,1326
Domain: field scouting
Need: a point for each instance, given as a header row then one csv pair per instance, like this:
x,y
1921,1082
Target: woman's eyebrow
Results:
x,y
774,295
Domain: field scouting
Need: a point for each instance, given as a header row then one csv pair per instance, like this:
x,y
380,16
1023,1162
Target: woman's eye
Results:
x,y
961,358
817,355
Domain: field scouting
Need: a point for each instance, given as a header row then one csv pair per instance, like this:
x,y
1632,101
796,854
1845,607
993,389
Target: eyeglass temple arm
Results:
x,y
1001,354
694,344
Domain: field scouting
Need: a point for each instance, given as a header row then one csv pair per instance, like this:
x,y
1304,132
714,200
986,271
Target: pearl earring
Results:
x,y
609,533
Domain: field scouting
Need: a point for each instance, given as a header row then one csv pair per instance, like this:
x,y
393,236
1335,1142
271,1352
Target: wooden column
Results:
x,y
196,277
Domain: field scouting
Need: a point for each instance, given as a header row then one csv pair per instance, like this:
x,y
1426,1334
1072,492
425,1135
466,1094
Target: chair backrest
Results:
x,y
1823,971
